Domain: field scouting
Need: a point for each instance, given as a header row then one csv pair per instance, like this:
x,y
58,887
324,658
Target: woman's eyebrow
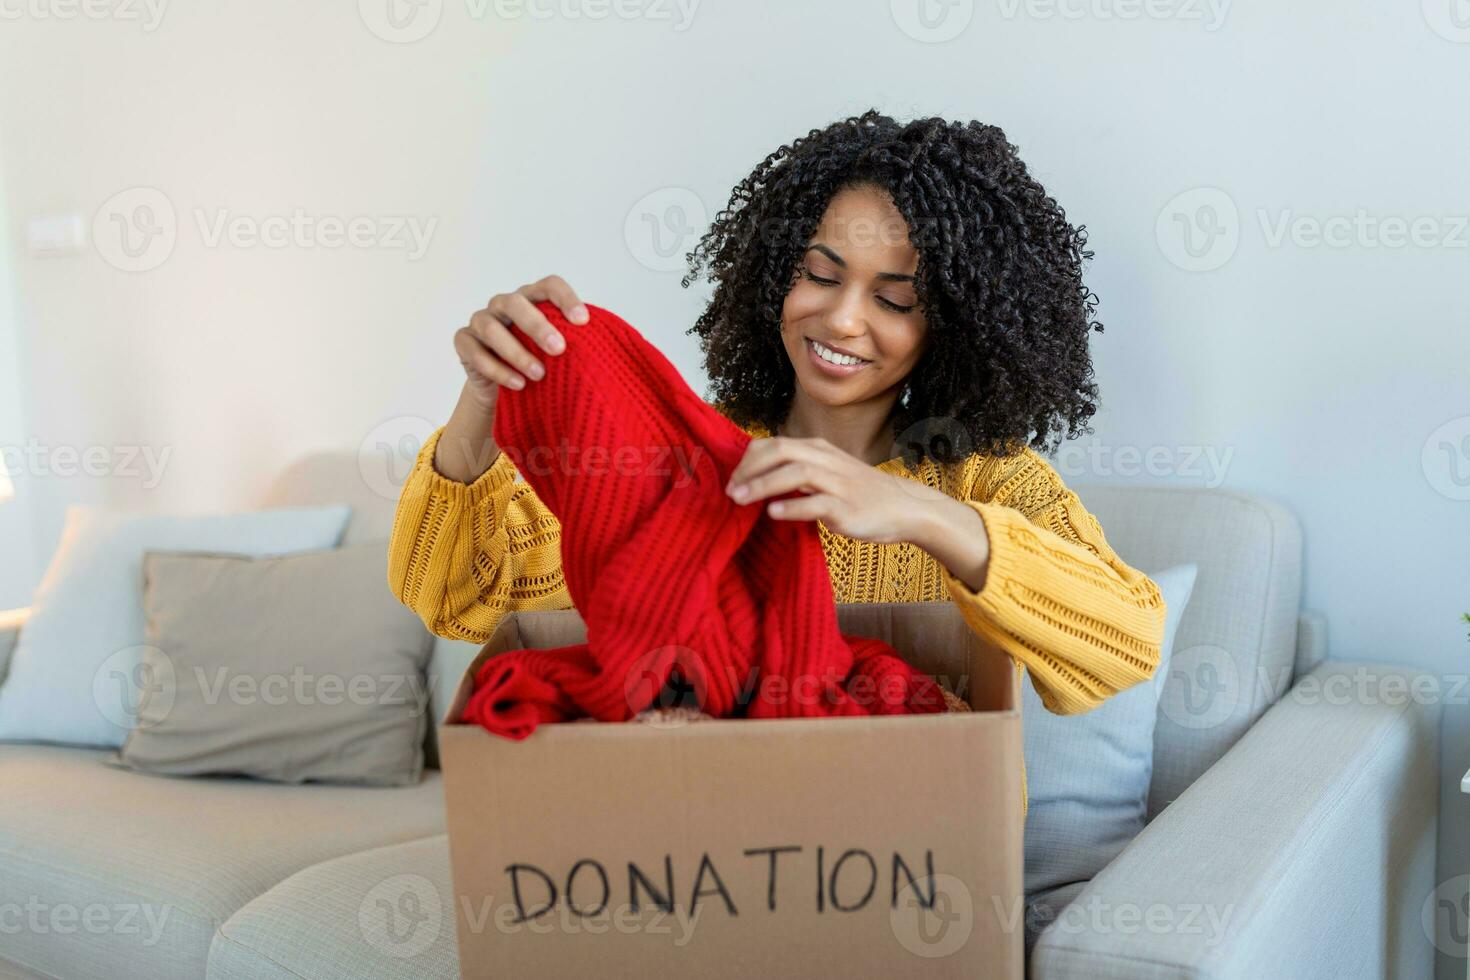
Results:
x,y
829,253
884,276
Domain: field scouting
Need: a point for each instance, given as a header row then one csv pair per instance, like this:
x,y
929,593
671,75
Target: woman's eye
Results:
x,y
808,273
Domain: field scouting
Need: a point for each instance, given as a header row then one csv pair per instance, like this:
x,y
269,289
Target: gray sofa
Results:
x,y
1291,833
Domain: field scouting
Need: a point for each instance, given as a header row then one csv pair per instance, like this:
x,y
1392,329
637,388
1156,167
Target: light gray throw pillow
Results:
x,y
70,677
296,669
1087,775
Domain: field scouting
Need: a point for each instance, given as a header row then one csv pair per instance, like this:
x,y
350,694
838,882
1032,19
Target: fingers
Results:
x,y
814,507
797,475
519,309
765,454
480,364
555,288
493,355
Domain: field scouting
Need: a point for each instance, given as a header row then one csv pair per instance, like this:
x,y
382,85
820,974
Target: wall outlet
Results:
x,y
55,234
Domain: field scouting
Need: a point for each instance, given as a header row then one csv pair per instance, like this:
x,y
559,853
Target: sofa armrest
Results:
x,y
11,620
1308,850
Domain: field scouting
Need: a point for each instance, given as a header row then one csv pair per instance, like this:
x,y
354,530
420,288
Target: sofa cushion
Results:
x,y
1236,646
74,675
330,667
123,874
385,913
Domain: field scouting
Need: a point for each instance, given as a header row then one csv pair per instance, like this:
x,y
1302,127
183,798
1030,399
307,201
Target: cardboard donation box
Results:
x,y
835,847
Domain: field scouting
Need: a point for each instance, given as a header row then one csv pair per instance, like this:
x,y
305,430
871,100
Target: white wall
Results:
x,y
17,560
1319,372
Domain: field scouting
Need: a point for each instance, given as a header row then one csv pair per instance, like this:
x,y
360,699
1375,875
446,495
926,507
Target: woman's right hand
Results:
x,y
491,354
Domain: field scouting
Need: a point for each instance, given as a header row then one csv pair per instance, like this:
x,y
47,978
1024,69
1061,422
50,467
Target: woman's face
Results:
x,y
854,295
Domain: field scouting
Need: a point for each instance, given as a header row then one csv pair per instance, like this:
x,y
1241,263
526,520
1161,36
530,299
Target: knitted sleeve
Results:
x,y
461,555
1055,596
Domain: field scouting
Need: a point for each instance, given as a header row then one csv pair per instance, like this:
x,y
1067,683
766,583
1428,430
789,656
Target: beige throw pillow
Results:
x,y
294,669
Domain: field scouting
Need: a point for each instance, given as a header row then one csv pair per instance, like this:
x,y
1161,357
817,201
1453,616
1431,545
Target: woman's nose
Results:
x,y
844,316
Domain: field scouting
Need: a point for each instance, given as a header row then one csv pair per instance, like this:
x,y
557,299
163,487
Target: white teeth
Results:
x,y
827,354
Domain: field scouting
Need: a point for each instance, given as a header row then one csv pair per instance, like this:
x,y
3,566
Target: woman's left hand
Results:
x,y
849,496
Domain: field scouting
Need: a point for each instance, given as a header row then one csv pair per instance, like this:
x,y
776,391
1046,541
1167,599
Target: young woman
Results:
x,y
899,316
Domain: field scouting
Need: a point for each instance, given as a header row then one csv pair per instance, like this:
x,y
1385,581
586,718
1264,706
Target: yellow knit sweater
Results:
x,y
1056,598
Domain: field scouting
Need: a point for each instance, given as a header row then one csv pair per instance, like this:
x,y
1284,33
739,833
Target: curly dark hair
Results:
x,y
999,279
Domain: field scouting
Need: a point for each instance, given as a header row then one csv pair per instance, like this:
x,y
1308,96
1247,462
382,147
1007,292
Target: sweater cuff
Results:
x,y
1001,563
500,473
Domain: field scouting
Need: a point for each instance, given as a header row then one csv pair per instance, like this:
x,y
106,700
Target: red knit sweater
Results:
x,y
671,576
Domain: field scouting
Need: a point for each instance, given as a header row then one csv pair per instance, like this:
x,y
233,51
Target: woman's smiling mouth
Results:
x,y
832,362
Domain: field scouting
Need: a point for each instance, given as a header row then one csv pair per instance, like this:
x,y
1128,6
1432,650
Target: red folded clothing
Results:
x,y
675,581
